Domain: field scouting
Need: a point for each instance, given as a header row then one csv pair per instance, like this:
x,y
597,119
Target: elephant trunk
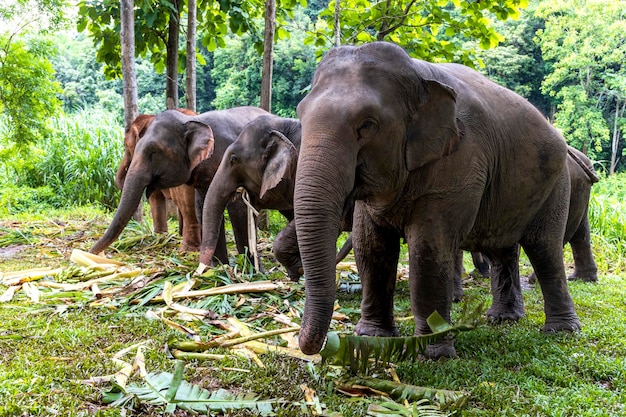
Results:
x,y
131,197
321,189
120,175
217,196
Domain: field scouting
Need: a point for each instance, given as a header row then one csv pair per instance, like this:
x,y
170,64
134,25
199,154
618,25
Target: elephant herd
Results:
x,y
391,148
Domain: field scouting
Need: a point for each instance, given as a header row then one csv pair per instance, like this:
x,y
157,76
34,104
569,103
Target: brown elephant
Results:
x,y
183,196
179,149
263,161
437,155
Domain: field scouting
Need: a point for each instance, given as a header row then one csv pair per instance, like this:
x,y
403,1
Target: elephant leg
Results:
x,y
585,268
286,250
506,289
184,197
376,251
431,281
457,293
158,208
545,252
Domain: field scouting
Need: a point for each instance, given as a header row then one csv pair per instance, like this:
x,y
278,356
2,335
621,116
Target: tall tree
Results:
x,y
154,29
190,70
28,90
428,29
268,51
171,67
583,41
129,78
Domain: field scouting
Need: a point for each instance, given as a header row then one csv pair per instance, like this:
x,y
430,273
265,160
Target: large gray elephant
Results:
x,y
577,233
263,161
440,156
181,149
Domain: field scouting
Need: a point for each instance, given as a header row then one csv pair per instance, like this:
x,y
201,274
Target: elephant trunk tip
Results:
x,y
311,341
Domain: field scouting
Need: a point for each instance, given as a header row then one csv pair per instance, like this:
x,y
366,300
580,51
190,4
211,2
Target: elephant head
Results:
x,y
368,120
135,131
172,146
263,161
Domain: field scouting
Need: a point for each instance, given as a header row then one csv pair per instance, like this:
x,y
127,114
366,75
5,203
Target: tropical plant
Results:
x,y
583,41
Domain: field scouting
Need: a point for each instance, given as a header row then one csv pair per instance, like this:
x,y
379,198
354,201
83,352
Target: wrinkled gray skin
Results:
x,y
577,233
262,160
180,149
436,154
183,196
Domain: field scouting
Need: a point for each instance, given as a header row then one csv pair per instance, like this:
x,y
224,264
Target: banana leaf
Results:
x,y
172,391
358,351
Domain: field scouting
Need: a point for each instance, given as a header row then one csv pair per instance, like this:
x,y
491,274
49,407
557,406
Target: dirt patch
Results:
x,y
11,251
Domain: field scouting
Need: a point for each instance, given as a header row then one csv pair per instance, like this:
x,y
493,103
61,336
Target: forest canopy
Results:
x,y
566,57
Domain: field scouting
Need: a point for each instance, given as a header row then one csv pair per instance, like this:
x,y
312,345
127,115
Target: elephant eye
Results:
x,y
367,129
233,159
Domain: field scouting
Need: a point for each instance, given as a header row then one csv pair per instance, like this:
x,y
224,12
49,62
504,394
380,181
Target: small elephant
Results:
x,y
183,196
577,233
263,161
437,155
178,149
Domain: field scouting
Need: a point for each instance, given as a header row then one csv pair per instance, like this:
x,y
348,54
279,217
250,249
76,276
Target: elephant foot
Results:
x,y
458,295
532,278
499,315
294,272
444,349
368,329
562,324
583,276
188,247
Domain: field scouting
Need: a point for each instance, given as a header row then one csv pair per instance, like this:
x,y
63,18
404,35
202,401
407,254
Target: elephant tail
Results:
x,y
591,173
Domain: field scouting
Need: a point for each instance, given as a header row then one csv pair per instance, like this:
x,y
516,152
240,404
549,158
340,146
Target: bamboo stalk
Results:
x,y
244,287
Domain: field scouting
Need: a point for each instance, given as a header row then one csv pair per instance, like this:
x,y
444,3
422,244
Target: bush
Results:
x,y
77,161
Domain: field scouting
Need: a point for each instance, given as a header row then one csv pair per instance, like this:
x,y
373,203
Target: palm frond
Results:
x,y
172,391
357,351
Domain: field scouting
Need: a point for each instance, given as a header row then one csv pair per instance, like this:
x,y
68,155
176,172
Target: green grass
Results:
x,y
47,349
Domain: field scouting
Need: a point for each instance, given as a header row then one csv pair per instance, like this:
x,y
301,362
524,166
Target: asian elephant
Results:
x,y
179,149
183,196
577,233
263,161
435,154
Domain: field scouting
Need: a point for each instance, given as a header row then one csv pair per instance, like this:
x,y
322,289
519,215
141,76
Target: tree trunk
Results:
x,y
191,56
337,23
616,137
171,83
266,78
129,78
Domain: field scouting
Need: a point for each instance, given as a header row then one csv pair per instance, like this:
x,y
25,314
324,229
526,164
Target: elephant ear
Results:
x,y
433,131
281,162
200,142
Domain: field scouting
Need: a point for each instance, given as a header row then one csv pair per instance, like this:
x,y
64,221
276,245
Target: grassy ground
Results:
x,y
52,350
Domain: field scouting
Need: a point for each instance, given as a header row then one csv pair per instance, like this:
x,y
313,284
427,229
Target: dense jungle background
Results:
x,y
69,348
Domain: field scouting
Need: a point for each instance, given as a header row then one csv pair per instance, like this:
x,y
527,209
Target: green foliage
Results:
x,y
216,20
75,166
434,30
236,71
357,351
174,392
517,62
584,43
27,89
607,220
